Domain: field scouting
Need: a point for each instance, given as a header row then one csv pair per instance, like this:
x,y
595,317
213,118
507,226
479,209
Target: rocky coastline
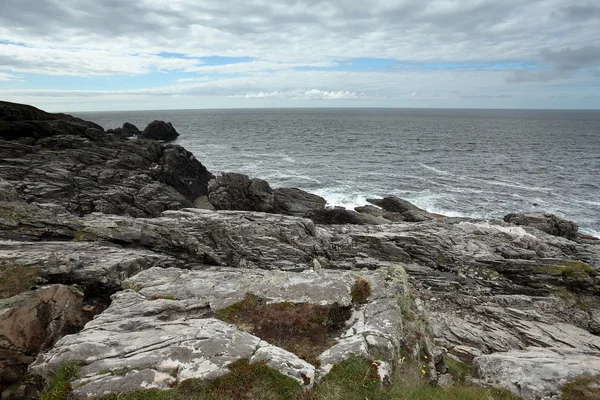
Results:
x,y
122,254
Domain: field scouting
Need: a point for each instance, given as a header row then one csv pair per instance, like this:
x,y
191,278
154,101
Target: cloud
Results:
x,y
582,12
9,77
287,49
569,59
312,94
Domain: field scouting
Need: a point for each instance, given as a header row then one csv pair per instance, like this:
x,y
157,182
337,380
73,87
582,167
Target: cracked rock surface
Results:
x,y
88,208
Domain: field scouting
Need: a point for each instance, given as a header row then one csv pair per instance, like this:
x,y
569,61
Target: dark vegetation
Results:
x,y
304,329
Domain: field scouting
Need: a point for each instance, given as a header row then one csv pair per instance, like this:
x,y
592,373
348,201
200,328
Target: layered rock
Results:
x,y
518,304
63,160
171,334
233,191
548,223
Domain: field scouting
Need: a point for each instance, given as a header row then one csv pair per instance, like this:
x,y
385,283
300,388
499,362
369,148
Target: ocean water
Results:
x,y
474,163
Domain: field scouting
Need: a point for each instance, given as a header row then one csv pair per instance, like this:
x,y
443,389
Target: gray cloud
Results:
x,y
582,12
116,37
569,59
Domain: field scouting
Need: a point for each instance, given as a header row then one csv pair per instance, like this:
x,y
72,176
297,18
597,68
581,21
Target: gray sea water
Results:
x,y
475,163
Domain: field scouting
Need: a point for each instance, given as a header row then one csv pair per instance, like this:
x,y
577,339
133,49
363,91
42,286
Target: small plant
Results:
x,y
15,279
458,369
162,298
582,388
304,329
360,292
59,387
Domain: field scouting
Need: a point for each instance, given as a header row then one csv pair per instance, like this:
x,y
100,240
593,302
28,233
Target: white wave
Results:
x,y
439,171
341,197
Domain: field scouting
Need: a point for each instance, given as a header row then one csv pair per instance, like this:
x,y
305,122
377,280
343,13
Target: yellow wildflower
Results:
x,y
423,371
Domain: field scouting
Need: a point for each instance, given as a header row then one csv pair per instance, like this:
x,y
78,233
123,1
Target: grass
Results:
x,y
354,380
303,329
245,381
59,386
573,269
15,279
162,297
360,291
585,387
458,369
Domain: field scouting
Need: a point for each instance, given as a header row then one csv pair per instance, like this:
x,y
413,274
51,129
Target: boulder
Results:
x,y
405,210
130,129
545,222
293,201
33,321
233,191
159,130
336,216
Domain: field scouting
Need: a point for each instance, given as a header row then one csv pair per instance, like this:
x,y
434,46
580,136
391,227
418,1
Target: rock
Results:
x,y
488,293
63,160
130,129
536,373
232,191
203,203
7,191
165,331
548,223
406,210
336,216
159,130
32,322
292,201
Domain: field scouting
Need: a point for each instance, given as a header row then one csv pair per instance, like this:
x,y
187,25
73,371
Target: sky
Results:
x,y
95,55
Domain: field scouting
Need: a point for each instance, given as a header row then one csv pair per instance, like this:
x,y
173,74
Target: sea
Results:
x,y
455,162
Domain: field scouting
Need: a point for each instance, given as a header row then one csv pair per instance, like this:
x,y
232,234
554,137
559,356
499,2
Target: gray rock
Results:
x,y
536,373
63,160
405,210
292,201
130,129
545,222
159,130
232,191
7,191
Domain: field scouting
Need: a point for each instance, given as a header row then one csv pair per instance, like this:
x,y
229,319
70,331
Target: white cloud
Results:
x,y
87,38
9,77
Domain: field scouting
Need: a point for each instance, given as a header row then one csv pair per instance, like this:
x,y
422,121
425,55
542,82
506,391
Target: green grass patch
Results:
x,y
303,329
458,369
162,297
355,379
585,387
245,382
573,269
59,386
15,279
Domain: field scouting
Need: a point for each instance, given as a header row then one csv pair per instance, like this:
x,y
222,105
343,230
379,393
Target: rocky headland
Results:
x,y
126,266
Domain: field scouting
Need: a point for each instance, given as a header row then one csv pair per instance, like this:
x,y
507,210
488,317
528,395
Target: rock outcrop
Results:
x,y
548,223
401,210
516,304
158,130
33,321
63,160
233,191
